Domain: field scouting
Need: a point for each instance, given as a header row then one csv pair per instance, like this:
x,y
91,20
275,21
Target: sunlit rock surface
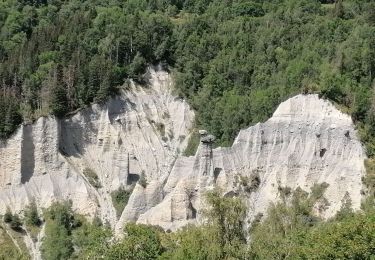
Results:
x,y
307,141
142,134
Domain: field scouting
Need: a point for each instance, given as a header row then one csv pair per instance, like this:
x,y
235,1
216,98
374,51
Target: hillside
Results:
x,y
234,61
187,129
122,162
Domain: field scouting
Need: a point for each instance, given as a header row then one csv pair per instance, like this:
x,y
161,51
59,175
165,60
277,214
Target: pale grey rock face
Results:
x,y
145,130
307,141
140,132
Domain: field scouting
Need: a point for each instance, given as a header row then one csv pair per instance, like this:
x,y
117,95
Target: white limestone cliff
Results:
x,y
140,132
145,130
307,141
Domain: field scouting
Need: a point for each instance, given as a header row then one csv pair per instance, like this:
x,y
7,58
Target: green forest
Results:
x,y
234,60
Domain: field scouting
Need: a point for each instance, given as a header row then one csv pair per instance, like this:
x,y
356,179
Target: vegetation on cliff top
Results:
x,y
235,61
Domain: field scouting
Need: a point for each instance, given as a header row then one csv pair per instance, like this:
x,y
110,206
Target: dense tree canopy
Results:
x,y
235,60
239,59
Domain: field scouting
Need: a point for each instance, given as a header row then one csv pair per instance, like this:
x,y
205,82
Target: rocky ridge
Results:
x,y
307,141
140,135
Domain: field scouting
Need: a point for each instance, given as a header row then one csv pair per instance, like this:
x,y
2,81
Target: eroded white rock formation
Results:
x,y
145,130
307,141
138,133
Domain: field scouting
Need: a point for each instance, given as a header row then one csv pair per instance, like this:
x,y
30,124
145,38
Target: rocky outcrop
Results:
x,y
136,140
307,141
141,132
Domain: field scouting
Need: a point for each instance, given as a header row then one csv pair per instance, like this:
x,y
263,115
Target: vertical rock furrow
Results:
x,y
307,141
142,133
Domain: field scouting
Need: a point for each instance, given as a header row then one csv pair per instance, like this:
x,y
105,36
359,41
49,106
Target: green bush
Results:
x,y
60,222
92,177
8,216
13,220
31,215
141,242
15,223
120,199
91,240
251,183
57,243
